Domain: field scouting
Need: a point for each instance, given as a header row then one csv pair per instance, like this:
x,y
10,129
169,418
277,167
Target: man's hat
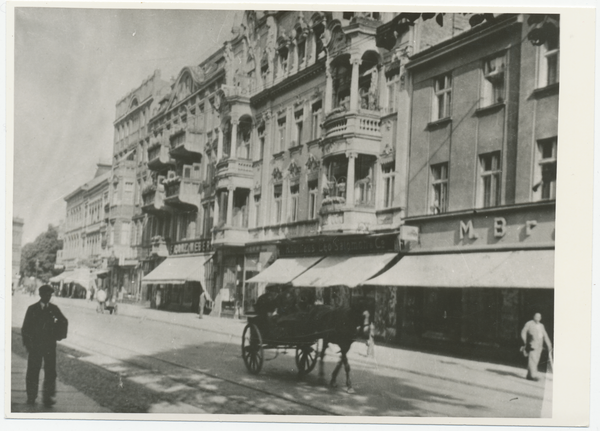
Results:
x,y
45,289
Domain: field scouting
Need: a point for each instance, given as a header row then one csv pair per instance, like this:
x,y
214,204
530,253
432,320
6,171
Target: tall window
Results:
x,y
207,223
493,81
125,231
439,195
317,113
490,179
301,52
298,122
393,87
282,132
388,185
277,202
312,200
545,175
548,71
443,97
295,198
256,210
261,142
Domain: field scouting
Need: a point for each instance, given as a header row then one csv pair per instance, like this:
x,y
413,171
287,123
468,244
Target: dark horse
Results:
x,y
340,326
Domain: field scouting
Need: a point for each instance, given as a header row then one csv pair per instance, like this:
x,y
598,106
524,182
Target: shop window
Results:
x,y
317,115
388,185
277,203
439,192
545,174
298,123
443,97
490,177
294,201
548,61
493,81
312,200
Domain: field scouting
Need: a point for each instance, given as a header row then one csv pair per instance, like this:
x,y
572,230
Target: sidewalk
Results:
x,y
68,399
450,369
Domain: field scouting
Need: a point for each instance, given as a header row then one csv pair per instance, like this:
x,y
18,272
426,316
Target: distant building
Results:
x,y
84,231
17,236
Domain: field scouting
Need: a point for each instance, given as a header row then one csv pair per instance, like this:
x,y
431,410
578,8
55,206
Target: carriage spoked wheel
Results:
x,y
306,358
252,348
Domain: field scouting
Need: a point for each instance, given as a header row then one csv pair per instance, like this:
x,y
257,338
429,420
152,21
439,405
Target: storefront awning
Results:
x,y
283,271
507,269
177,270
344,270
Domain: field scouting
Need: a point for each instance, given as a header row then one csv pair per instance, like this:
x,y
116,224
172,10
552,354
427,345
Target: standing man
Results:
x,y
44,324
534,335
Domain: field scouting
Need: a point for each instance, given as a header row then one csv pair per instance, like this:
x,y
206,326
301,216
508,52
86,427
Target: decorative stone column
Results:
x,y
220,145
216,211
350,182
354,84
234,131
328,89
229,219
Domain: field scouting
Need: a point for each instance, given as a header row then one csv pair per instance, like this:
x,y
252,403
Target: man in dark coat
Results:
x,y
40,332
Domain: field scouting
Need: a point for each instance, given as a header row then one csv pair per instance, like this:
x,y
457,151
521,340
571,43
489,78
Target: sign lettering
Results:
x,y
499,227
190,247
340,245
467,229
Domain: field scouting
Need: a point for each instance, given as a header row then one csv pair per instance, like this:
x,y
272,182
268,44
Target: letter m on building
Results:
x,y
467,230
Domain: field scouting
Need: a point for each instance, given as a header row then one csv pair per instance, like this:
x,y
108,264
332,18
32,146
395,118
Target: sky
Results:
x,y
71,67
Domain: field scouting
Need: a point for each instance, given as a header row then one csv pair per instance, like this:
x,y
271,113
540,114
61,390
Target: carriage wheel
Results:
x,y
306,358
252,348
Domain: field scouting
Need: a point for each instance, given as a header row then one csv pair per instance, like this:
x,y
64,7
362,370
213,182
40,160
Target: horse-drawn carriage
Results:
x,y
304,327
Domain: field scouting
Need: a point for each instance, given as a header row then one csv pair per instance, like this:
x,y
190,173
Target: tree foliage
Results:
x,y
39,257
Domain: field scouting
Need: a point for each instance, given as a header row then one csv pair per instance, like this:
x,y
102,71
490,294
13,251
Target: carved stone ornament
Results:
x,y
257,188
277,174
312,164
294,169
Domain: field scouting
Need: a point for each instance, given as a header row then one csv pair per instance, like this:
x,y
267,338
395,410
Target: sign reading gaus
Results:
x,y
340,245
190,247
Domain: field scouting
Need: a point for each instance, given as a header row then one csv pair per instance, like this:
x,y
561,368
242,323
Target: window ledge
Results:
x,y
278,155
490,108
439,123
295,149
546,91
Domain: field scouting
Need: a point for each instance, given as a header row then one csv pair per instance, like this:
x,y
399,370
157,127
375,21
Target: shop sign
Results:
x,y
190,247
409,233
340,245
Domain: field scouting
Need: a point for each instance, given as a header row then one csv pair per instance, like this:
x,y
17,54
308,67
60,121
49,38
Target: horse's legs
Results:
x,y
347,368
321,362
337,369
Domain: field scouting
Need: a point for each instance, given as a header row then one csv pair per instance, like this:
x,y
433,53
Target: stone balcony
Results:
x,y
230,235
365,123
186,143
159,157
337,216
183,193
240,171
153,201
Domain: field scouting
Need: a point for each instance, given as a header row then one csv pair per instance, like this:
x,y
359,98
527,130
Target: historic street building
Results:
x,y
362,154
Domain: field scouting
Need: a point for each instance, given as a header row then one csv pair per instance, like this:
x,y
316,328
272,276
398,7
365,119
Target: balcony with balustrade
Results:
x,y
182,193
238,172
186,143
153,199
159,157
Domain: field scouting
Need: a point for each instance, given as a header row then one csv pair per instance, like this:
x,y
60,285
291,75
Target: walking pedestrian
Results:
x,y
101,297
534,335
44,324
202,303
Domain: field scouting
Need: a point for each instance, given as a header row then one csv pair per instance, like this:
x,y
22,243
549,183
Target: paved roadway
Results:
x,y
144,360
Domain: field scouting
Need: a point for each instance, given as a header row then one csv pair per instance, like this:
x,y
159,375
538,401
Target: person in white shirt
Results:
x,y
534,336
